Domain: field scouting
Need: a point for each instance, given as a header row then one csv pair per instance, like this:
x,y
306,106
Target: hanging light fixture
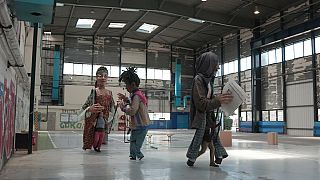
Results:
x,y
256,10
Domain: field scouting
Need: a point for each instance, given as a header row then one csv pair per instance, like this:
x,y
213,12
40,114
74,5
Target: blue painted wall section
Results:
x,y
271,126
56,73
177,87
317,128
178,120
245,126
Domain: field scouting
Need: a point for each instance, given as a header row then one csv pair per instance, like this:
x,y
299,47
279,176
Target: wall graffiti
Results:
x,y
71,125
7,116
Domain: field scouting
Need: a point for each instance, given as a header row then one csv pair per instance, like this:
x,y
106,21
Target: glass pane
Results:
x,y
264,59
243,116
166,75
95,68
141,73
265,115
68,68
219,71
273,115
77,69
307,47
114,71
280,115
243,64
289,54
123,68
317,42
248,62
226,68
298,49
150,73
249,116
272,56
234,66
87,69
279,55
157,74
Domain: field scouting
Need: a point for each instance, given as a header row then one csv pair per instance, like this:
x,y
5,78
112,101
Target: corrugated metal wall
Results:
x,y
300,110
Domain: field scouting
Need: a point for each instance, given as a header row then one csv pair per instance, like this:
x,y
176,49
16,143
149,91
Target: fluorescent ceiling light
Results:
x,y
85,23
116,25
128,9
147,28
196,20
47,33
59,4
203,0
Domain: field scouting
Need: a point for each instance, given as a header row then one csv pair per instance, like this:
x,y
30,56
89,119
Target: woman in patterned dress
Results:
x,y
99,100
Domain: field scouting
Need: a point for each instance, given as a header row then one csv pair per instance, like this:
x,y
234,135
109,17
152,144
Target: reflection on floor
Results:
x,y
249,158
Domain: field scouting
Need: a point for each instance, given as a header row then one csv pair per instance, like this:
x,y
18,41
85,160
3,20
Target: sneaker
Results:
x,y
132,158
218,160
97,150
141,157
190,163
214,164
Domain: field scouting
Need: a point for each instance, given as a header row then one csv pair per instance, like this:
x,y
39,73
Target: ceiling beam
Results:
x,y
236,10
168,7
121,3
69,19
134,24
192,33
163,29
102,23
161,4
197,8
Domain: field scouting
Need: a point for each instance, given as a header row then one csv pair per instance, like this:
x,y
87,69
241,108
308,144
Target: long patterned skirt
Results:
x,y
88,133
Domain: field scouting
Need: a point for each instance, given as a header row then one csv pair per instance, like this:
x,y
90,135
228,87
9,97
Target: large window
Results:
x,y
278,55
317,42
307,50
264,59
68,68
289,52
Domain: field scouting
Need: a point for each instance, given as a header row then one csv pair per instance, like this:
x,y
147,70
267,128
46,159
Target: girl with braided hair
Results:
x,y
137,108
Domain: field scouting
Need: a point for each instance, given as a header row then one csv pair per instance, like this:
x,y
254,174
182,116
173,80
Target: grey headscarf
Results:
x,y
206,65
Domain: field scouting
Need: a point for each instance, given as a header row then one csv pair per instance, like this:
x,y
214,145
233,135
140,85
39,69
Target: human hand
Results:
x,y
225,98
96,108
122,97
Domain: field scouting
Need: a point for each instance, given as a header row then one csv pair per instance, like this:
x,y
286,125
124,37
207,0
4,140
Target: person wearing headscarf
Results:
x,y
202,100
100,101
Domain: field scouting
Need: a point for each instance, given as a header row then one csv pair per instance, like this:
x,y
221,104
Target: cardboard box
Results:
x,y
272,138
226,138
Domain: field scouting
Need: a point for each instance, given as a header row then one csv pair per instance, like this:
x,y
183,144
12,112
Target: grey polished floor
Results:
x,y
249,158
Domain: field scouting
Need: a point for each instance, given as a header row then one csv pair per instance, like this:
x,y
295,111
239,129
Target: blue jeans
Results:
x,y
136,141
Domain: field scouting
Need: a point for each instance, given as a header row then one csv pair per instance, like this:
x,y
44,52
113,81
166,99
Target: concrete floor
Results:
x,y
249,158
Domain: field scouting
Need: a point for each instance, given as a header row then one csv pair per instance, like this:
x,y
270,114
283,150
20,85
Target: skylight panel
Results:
x,y
85,23
117,25
147,28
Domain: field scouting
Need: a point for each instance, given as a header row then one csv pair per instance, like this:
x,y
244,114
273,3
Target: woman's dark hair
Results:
x,y
96,84
129,76
101,70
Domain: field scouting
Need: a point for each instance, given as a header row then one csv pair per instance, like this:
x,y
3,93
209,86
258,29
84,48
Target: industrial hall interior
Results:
x,y
160,89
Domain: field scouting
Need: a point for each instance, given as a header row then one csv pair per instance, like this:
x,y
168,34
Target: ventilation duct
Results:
x,y
9,42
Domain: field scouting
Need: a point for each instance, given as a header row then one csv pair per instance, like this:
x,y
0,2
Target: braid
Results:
x,y
129,76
